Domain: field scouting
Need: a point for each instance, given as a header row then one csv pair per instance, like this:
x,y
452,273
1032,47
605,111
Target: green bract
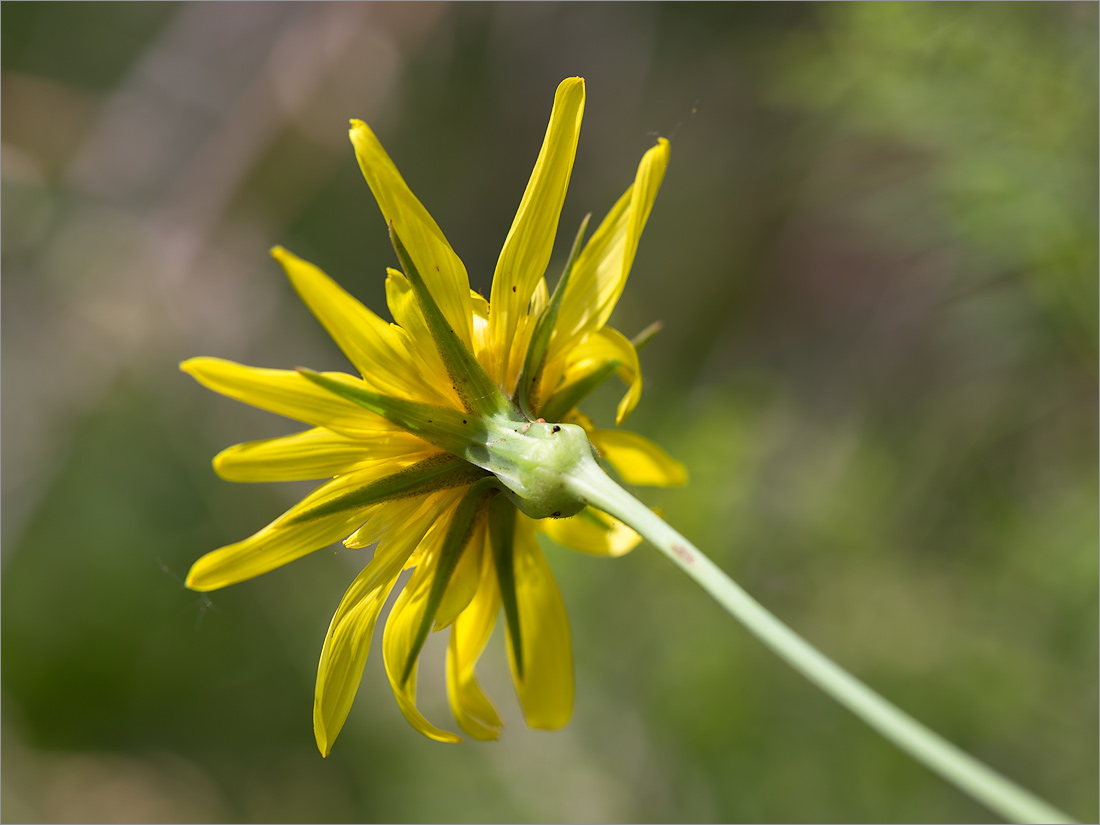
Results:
x,y
436,452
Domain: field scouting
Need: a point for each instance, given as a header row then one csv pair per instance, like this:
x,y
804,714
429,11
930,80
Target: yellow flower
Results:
x,y
417,447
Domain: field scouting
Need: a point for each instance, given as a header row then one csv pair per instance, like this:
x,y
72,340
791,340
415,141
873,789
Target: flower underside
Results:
x,y
448,450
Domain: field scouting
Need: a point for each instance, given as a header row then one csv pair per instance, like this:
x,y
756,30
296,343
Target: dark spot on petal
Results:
x,y
429,421
555,514
437,269
463,420
556,429
513,289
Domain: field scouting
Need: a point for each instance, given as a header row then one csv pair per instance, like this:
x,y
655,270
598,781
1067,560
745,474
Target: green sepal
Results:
x,y
530,459
477,391
646,335
527,386
502,535
445,428
440,472
566,398
458,536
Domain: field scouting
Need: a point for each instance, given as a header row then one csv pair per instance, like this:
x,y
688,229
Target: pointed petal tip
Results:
x,y
660,152
324,747
199,364
218,463
358,131
550,723
192,582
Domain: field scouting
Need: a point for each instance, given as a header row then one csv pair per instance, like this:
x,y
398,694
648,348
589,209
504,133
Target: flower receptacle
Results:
x,y
536,462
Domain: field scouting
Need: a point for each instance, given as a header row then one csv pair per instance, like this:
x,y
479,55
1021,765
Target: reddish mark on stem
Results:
x,y
683,553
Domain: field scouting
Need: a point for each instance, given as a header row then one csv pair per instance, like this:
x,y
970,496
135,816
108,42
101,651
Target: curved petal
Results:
x,y
267,549
464,581
530,240
546,689
383,519
316,453
349,634
604,264
287,392
470,633
638,460
401,631
438,264
414,333
345,654
592,531
286,539
367,340
591,362
539,298
482,343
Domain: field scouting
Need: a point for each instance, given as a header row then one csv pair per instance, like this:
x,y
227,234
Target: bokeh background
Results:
x,y
875,254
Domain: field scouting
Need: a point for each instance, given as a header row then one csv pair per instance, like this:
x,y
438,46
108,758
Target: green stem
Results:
x,y
980,782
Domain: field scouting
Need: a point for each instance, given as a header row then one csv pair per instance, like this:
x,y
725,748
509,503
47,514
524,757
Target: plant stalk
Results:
x,y
972,777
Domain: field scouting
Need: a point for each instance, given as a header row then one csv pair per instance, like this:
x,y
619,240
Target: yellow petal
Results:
x,y
285,540
349,635
316,453
592,531
413,331
605,346
638,460
482,344
530,241
287,392
539,298
464,580
470,632
344,655
401,630
438,264
267,549
546,689
383,519
367,340
604,264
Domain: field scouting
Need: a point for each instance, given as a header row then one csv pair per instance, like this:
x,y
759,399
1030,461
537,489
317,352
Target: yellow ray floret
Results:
x,y
422,453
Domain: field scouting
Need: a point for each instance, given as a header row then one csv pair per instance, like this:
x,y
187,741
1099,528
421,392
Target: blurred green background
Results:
x,y
875,254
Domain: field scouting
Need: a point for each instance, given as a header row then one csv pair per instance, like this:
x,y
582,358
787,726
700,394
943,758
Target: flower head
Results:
x,y
439,453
